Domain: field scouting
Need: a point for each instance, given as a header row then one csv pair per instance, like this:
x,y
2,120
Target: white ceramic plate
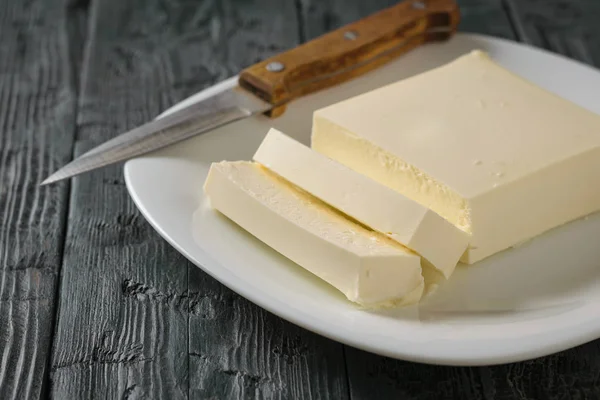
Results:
x,y
537,299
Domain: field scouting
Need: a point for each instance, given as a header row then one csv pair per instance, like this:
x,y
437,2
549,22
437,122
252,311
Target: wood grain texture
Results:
x,y
567,27
240,351
568,375
480,16
37,119
130,325
488,17
122,329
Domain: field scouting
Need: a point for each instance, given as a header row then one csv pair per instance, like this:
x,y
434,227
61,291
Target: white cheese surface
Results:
x,y
368,268
492,153
365,200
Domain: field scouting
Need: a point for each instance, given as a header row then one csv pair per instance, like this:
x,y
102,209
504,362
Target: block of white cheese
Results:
x,y
368,268
498,156
365,200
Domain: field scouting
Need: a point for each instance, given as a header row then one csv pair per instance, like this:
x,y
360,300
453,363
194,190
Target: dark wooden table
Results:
x,y
94,304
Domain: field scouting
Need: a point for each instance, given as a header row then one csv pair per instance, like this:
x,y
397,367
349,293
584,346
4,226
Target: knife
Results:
x,y
268,86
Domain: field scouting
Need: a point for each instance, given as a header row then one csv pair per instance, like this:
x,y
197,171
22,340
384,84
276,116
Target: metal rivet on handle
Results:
x,y
350,35
419,5
275,66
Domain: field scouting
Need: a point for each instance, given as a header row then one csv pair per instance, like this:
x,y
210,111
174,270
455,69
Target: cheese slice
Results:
x,y
498,156
368,268
365,200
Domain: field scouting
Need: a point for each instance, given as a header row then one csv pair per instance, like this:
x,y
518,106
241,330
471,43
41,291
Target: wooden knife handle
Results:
x,y
350,51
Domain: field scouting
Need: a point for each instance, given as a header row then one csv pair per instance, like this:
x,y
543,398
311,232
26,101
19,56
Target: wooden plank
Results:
x,y
238,350
122,328
568,375
37,120
486,17
125,299
480,16
319,17
567,27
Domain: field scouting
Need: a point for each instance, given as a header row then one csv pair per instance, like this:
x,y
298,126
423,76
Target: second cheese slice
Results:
x,y
368,268
365,200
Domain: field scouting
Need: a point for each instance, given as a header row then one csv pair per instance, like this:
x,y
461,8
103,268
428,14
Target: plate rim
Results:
x,y
536,347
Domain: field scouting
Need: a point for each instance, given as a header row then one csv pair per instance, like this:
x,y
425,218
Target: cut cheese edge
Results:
x,y
368,268
365,200
494,154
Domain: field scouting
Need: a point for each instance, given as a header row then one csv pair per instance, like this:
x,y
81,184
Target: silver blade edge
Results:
x,y
222,108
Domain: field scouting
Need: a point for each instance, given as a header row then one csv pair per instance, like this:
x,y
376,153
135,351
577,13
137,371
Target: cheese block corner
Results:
x,y
499,157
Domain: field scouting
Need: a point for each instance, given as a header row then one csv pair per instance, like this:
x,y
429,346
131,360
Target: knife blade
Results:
x,y
227,106
268,86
